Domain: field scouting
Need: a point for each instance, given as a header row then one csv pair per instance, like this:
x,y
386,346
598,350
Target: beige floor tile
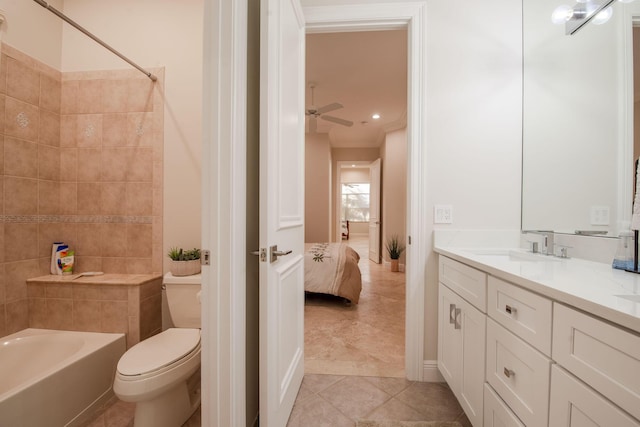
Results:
x,y
434,400
317,412
355,396
395,410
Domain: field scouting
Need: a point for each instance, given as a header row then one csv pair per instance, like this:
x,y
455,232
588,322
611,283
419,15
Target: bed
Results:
x,y
332,268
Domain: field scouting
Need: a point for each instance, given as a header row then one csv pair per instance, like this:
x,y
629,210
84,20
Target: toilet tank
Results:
x,y
183,305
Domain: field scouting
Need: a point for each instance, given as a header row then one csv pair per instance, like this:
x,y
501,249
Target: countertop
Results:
x,y
595,288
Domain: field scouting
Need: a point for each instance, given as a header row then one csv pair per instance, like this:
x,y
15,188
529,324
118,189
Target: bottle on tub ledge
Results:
x,y
62,259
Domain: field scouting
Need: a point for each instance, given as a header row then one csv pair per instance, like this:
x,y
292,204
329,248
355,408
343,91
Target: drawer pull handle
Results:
x,y
510,310
457,324
508,373
452,313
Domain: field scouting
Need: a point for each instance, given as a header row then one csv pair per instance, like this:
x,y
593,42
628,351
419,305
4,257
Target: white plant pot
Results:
x,y
184,268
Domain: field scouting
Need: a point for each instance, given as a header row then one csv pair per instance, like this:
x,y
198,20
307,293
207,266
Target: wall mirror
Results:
x,y
578,97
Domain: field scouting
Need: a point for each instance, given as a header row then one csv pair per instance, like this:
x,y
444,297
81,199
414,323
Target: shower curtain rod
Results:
x,y
94,38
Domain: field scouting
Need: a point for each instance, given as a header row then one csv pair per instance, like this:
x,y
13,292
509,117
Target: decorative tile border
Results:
x,y
77,219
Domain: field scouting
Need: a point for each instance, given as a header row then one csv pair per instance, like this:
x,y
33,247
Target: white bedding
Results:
x,y
332,268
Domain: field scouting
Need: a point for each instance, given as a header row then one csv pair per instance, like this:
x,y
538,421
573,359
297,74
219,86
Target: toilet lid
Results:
x,y
158,351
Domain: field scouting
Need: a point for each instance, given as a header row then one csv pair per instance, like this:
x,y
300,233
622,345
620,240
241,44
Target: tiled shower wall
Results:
x,y
80,162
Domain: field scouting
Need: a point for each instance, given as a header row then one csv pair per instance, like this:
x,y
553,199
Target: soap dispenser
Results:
x,y
623,259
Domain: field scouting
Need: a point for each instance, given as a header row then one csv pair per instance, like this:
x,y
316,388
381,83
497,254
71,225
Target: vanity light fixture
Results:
x,y
574,18
375,116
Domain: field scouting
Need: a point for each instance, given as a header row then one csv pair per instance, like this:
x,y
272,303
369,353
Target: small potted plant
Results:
x,y
395,247
184,263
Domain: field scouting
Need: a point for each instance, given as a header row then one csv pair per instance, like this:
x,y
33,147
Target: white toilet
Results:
x,y
162,373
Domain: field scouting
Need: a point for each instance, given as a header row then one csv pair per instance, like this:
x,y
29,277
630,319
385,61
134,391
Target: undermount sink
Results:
x,y
633,297
513,255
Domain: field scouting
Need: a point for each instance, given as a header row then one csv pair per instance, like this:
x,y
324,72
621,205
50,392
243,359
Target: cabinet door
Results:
x,y
449,342
574,404
461,349
496,412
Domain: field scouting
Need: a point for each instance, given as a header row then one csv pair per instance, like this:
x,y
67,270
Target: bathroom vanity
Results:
x,y
532,340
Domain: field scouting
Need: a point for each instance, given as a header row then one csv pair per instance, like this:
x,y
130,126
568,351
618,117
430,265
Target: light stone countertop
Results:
x,y
592,287
104,279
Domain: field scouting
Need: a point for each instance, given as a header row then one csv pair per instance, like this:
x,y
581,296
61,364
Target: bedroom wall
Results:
x,y
317,206
169,36
473,122
394,187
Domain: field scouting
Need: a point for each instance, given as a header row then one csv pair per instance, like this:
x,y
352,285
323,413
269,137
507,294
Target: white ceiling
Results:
x,y
366,72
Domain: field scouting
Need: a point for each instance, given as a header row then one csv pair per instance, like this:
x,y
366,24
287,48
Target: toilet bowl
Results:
x,y
162,373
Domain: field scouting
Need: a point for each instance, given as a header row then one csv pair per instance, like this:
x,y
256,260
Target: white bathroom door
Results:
x,y
282,43
375,226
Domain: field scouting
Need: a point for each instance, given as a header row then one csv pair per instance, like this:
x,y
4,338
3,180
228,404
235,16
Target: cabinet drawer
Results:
x,y
574,404
496,412
519,374
524,313
469,283
602,355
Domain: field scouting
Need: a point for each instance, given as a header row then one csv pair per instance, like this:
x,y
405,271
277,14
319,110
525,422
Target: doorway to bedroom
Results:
x,y
356,113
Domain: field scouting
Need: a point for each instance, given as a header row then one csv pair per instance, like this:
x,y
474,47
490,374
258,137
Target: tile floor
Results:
x,y
354,362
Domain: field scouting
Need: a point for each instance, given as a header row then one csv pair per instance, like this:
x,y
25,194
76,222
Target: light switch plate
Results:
x,y
600,215
443,214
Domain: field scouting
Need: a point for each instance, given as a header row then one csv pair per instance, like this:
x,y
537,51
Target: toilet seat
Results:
x,y
158,353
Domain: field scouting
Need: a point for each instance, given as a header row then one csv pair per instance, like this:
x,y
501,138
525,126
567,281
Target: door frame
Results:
x,y
387,16
224,189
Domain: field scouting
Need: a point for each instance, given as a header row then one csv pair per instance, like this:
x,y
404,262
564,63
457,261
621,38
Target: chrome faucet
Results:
x,y
547,243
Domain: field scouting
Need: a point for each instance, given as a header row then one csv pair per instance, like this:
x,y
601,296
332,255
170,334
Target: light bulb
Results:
x,y
603,16
561,14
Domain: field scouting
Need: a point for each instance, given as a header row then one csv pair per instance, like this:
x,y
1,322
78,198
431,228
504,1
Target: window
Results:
x,y
355,202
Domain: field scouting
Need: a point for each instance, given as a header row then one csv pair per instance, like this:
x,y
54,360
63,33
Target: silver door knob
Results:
x,y
275,253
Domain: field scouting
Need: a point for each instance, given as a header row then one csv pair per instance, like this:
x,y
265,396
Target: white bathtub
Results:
x,y
56,378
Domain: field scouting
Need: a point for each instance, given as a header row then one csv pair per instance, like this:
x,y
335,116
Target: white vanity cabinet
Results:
x,y
461,338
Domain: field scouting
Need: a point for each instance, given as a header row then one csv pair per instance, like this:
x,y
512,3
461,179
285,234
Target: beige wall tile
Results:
x,y
114,316
133,300
115,94
21,196
21,120
23,82
3,73
140,95
133,336
89,198
69,97
60,314
114,293
2,112
142,170
68,198
89,164
115,164
68,130
86,315
36,290
114,130
48,163
140,130
150,316
50,93
59,290
89,96
139,238
2,227
151,289
3,325
83,291
68,164
48,197
89,130
88,263
114,241
113,264
17,316
49,128
139,266
37,313
89,240
139,198
113,198
16,274
20,241
21,158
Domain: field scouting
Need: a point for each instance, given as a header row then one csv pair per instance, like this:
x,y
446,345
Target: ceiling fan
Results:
x,y
314,112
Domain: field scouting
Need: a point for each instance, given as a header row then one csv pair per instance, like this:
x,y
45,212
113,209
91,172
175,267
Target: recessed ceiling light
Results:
x,y
376,116
353,166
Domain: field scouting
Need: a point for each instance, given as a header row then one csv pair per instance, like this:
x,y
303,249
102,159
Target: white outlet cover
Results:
x,y
600,215
443,214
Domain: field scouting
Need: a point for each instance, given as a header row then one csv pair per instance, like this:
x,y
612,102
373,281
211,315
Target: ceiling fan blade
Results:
x,y
313,124
329,107
337,120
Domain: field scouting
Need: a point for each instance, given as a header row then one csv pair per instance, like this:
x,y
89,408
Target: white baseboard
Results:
x,y
431,373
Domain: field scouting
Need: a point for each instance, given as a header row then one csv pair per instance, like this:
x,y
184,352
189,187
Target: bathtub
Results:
x,y
56,378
